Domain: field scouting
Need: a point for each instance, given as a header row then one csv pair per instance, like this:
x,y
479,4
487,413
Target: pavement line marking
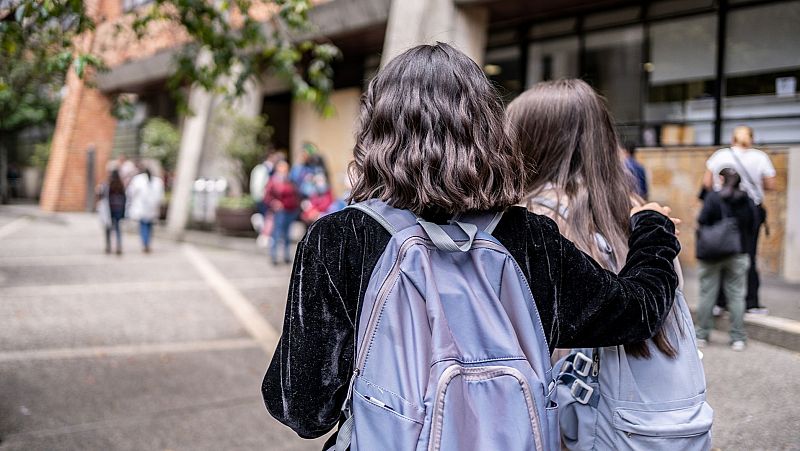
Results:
x,y
130,287
13,226
242,309
126,350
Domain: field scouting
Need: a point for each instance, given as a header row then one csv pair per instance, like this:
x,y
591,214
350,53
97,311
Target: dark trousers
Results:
x,y
114,226
753,279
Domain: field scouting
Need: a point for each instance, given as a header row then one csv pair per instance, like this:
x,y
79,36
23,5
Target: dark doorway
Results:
x,y
278,110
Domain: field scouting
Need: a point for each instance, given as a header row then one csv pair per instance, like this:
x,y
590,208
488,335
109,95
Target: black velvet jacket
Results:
x,y
580,304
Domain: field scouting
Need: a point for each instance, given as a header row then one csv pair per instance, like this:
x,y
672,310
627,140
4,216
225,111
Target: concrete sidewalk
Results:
x,y
781,327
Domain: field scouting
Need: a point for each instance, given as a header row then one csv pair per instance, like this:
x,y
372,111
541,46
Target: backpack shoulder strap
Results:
x,y
484,221
392,219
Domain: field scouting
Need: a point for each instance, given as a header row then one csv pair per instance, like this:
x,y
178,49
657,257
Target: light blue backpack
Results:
x,y
611,401
450,353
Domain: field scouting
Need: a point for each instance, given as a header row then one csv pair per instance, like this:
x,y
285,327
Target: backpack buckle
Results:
x,y
582,364
577,386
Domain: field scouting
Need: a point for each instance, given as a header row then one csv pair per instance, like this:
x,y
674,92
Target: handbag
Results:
x,y
719,240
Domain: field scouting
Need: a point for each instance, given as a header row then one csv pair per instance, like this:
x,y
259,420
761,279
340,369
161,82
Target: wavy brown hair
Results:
x,y
431,137
565,127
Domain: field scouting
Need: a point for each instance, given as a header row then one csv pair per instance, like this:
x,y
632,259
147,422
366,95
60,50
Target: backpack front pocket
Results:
x,y
686,428
383,420
479,408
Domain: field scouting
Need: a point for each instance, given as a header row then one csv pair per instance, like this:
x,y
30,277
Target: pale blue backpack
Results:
x,y
612,401
450,353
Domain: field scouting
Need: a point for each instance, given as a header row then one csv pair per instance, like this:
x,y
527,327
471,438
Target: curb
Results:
x,y
773,330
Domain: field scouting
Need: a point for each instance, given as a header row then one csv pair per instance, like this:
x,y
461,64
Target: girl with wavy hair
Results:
x,y
431,139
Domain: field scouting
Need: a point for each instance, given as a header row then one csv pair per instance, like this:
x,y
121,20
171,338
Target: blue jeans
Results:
x,y
146,231
280,233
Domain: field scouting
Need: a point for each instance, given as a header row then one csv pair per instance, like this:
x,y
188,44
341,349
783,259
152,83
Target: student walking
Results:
x,y
284,201
728,217
145,191
757,176
565,130
111,202
450,348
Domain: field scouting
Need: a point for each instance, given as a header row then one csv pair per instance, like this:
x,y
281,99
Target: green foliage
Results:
x,y
237,203
244,141
41,39
161,141
40,155
37,41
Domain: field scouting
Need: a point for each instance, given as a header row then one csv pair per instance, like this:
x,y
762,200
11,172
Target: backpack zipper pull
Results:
x,y
595,363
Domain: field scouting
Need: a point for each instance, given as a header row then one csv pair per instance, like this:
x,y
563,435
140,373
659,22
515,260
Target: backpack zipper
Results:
x,y
481,373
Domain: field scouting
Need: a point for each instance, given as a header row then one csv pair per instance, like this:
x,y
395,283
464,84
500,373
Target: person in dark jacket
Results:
x,y
111,207
283,199
730,272
431,139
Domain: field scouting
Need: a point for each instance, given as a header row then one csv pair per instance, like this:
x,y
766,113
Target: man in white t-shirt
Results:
x,y
757,175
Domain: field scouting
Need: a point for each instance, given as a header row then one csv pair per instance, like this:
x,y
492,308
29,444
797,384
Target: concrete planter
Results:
x,y
235,221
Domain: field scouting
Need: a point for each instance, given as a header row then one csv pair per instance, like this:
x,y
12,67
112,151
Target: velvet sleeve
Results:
x,y
599,308
306,382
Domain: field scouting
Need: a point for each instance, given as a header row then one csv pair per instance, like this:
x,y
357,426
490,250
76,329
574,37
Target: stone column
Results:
x,y
414,22
199,152
193,136
791,243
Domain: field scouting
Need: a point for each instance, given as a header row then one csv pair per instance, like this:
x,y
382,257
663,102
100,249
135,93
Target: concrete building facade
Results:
x,y
678,76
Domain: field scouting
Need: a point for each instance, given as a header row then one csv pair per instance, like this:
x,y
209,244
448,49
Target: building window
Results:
x,y
130,5
552,59
503,69
762,72
613,65
681,75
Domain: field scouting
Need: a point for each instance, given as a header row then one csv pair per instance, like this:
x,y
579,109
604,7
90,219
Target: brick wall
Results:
x,y
84,119
675,176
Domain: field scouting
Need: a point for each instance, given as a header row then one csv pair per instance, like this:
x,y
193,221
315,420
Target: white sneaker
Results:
x,y
716,311
758,311
702,342
738,345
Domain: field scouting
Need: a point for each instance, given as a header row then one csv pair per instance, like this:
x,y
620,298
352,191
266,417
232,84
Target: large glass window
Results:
x,y
503,69
613,65
679,108
552,59
762,71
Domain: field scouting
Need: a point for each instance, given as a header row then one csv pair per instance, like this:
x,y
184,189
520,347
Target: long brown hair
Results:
x,y
431,137
566,130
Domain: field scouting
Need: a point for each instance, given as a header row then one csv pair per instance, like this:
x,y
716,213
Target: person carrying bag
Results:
x,y
726,225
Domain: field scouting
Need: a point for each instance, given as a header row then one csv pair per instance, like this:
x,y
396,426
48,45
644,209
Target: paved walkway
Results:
x,y
166,351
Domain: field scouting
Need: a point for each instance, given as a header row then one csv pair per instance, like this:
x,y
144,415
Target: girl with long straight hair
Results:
x,y
431,140
578,178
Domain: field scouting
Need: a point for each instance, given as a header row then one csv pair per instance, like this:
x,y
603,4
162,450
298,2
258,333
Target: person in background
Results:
x,y
259,177
636,169
311,164
111,200
757,176
126,168
145,192
284,202
729,272
319,202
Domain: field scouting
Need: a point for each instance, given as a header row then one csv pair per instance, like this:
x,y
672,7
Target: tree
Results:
x,y
40,40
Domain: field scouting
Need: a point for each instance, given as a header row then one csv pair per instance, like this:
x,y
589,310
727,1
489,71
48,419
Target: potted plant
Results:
x,y
161,141
245,140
